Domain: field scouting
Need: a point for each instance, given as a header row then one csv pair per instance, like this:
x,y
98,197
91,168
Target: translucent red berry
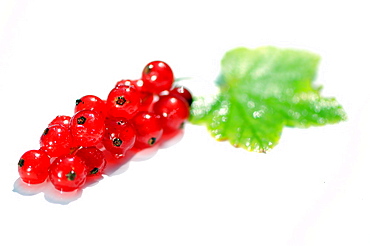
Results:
x,y
123,101
61,120
67,173
119,136
87,128
56,140
148,128
157,76
33,166
93,158
90,102
137,114
183,92
174,111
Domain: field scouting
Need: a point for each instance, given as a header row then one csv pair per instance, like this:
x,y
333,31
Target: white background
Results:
x,y
312,189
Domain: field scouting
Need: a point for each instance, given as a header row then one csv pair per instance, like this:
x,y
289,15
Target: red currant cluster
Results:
x,y
136,115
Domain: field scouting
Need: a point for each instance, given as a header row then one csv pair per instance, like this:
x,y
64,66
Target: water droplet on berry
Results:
x,y
139,83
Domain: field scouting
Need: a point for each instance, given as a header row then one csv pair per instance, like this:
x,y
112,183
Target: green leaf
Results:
x,y
261,91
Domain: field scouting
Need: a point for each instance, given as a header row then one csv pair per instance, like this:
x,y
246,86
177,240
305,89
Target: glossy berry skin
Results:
x,y
183,92
67,173
93,158
148,128
90,102
61,120
119,136
123,101
174,111
87,128
137,84
157,76
56,140
33,166
124,82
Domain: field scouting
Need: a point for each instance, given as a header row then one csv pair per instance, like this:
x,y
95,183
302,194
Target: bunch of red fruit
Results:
x,y
136,115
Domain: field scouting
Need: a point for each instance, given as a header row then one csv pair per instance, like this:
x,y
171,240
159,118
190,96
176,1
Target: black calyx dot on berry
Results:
x,y
81,120
45,131
78,101
121,100
94,171
71,175
21,163
117,142
182,125
151,141
148,69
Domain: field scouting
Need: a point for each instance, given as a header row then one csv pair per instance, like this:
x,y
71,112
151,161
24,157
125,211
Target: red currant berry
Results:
x,y
157,76
94,159
56,140
123,101
183,92
33,166
90,102
119,136
67,173
148,128
61,120
174,111
87,128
